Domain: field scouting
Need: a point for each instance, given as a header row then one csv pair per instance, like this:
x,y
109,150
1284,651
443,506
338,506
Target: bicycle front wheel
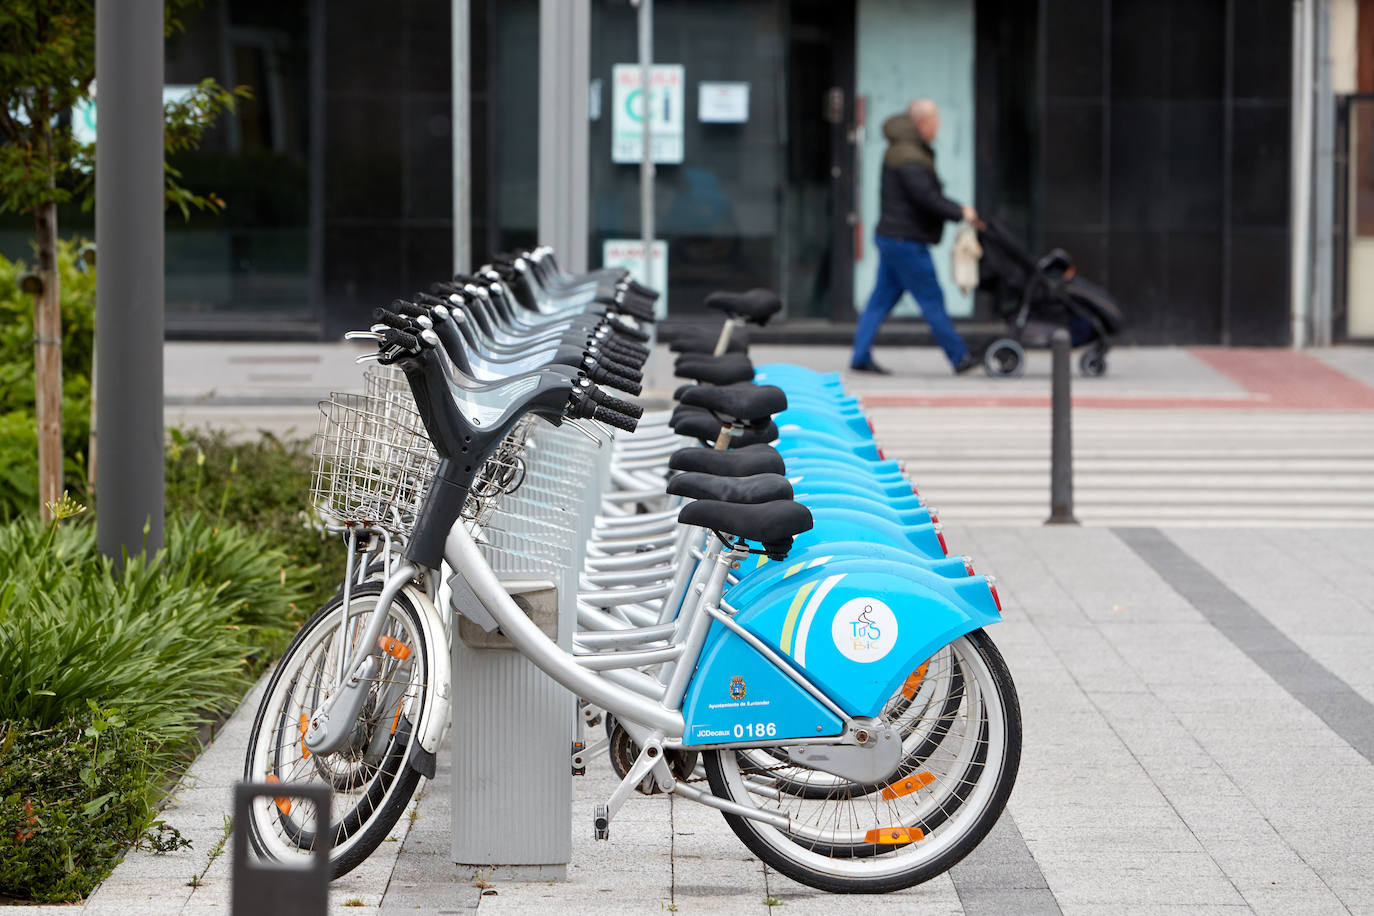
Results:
x,y
863,839
368,779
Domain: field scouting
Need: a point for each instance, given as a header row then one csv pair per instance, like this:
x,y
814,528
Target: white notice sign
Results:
x,y
629,254
665,109
722,103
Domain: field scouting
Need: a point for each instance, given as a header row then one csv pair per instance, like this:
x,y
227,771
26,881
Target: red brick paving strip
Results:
x,y
1275,379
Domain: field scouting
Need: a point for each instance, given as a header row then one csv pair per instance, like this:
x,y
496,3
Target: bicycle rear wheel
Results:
x,y
921,822
368,779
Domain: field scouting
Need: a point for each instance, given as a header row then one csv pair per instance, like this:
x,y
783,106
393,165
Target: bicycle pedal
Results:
x,y
601,823
579,759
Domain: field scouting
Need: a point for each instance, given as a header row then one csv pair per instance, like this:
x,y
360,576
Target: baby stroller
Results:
x,y
1036,297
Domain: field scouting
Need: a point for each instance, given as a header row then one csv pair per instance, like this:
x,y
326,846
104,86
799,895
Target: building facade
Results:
x,y
1152,139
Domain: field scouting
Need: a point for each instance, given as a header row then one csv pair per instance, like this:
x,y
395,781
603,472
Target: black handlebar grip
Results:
x,y
622,355
612,402
392,337
603,376
635,310
624,330
430,300
641,289
614,418
390,319
617,342
619,368
407,308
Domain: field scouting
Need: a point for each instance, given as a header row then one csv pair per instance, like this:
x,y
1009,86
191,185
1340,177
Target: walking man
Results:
x,y
914,213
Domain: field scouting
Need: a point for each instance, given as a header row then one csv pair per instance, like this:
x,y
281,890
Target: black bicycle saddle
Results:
x,y
736,462
703,340
714,370
745,401
755,305
756,488
772,524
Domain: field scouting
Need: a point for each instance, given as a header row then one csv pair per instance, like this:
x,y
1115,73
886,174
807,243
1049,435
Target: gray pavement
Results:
x,y
1183,753
1197,700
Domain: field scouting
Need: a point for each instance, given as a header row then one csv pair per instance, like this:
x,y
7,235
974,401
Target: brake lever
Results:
x,y
600,443
371,334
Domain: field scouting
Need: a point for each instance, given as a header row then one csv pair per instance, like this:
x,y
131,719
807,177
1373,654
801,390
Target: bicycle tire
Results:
x,y
856,858
369,779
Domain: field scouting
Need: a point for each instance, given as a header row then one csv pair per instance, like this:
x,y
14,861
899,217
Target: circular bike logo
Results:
x,y
864,630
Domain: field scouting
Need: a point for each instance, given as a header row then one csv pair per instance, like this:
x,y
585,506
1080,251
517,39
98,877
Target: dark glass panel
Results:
x,y
1259,288
1072,166
1196,164
1193,292
1196,49
1137,267
1140,48
1259,166
1073,48
1263,49
1139,165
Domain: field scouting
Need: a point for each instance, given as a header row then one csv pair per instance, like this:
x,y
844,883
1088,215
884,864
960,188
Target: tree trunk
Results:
x,y
47,361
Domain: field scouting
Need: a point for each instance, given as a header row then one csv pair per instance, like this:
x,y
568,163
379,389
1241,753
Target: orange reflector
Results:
x,y
305,751
396,719
395,648
283,803
892,836
907,786
913,681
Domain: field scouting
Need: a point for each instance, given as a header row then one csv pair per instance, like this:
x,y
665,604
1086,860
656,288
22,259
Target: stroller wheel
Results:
x,y
1093,362
1004,358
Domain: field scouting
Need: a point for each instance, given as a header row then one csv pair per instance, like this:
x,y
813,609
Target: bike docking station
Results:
x,y
511,782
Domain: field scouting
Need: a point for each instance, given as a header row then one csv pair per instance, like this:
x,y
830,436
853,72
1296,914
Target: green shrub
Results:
x,y
262,485
73,797
107,678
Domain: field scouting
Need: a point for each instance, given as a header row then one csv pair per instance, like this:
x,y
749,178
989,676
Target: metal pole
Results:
x,y
1302,168
646,161
564,59
1061,435
462,135
1323,177
129,285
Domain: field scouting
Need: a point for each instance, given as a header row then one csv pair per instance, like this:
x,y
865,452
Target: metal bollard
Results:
x,y
259,887
1061,435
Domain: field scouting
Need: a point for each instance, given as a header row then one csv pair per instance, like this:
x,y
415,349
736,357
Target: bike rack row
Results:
x,y
843,755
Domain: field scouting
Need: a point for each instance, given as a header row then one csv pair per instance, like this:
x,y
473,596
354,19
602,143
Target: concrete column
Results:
x,y
129,206
564,72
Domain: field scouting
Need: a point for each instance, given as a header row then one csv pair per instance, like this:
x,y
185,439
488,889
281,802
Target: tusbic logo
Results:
x,y
865,629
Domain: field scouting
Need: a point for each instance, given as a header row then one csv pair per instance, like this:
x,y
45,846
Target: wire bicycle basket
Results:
x,y
373,462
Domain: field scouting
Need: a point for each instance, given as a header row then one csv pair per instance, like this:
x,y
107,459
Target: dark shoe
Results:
x,y
871,367
965,364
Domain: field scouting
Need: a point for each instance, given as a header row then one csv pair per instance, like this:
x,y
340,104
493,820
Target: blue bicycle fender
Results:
x,y
842,404
870,506
830,480
856,629
830,525
795,438
807,486
881,470
763,574
783,374
853,429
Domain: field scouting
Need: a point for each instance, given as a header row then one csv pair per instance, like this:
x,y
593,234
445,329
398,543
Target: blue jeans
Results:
x,y
906,266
